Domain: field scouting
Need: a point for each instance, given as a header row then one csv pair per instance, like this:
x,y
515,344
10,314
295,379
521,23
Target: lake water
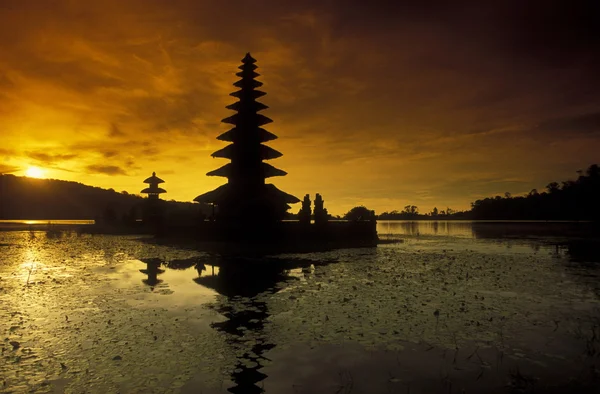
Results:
x,y
26,224
451,307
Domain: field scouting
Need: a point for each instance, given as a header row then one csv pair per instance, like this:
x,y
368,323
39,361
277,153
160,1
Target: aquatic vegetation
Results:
x,y
433,314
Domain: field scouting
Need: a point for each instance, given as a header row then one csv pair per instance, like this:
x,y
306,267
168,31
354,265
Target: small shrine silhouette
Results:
x,y
153,191
153,210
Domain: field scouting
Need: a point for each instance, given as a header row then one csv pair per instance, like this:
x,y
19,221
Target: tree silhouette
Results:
x,y
569,200
553,187
358,213
411,210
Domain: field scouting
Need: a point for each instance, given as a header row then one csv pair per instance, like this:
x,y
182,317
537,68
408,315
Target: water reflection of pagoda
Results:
x,y
246,320
246,197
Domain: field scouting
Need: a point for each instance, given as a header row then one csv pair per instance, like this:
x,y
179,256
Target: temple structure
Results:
x,y
153,208
246,197
247,212
153,191
305,213
320,212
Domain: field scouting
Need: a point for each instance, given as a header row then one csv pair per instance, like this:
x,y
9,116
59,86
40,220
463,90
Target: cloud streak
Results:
x,y
106,170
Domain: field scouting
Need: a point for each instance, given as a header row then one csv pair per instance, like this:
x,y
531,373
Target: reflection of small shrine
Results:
x,y
152,271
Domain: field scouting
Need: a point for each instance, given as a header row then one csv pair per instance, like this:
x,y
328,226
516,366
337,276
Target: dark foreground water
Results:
x,y
456,307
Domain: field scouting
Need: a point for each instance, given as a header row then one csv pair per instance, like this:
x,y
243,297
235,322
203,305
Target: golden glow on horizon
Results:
x,y
35,172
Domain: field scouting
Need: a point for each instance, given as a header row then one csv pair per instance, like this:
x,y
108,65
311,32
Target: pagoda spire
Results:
x,y
247,171
247,150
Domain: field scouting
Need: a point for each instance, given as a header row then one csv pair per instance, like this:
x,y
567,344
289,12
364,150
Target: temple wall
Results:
x,y
294,234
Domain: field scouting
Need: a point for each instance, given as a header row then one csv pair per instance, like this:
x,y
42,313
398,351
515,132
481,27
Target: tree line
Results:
x,y
410,212
570,200
577,199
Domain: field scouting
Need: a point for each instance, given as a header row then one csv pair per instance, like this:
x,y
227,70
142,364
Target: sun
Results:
x,y
34,172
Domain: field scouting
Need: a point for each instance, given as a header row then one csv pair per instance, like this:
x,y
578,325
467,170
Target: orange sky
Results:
x,y
377,104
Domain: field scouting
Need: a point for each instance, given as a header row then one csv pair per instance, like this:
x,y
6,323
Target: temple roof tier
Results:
x,y
254,106
154,179
248,58
248,66
244,93
265,152
255,119
268,171
247,73
153,190
248,83
223,192
234,134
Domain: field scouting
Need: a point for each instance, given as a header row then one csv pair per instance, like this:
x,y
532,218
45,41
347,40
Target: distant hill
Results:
x,y
48,199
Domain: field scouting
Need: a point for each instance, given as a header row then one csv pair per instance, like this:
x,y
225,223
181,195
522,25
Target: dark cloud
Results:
x,y
105,169
545,30
73,75
8,169
149,152
175,111
49,158
110,149
109,153
5,82
557,32
130,163
585,123
115,131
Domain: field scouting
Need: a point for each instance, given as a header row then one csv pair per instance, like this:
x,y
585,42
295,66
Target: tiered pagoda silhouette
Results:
x,y
153,191
153,209
246,197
